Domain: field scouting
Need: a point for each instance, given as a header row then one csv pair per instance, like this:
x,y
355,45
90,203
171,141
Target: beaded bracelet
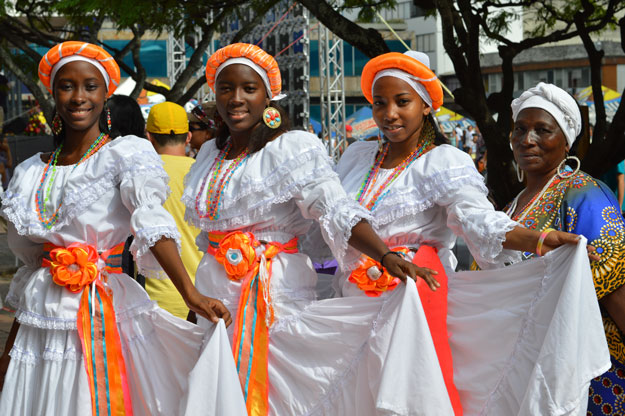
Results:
x,y
541,240
397,253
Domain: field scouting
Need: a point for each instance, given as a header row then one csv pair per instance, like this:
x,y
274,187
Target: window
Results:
x,y
153,56
426,43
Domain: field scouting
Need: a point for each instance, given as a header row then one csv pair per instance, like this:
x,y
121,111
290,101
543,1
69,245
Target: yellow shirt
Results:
x,y
163,291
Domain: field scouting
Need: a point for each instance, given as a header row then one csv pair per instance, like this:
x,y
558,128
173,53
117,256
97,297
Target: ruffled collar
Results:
x,y
429,178
92,179
270,176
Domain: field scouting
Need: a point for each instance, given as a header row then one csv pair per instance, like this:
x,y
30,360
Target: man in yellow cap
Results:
x,y
168,131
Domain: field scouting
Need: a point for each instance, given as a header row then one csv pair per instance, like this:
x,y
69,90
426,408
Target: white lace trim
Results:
x,y
140,248
337,224
301,293
49,322
45,322
487,238
279,175
257,206
258,195
17,210
425,194
33,358
139,309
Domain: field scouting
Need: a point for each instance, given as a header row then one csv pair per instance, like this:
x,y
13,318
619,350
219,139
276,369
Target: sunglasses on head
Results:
x,y
199,112
193,126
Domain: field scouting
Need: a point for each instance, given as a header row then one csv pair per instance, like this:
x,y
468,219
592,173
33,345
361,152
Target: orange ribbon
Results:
x,y
243,260
75,267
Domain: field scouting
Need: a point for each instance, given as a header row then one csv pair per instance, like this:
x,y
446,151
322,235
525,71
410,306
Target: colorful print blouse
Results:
x,y
582,205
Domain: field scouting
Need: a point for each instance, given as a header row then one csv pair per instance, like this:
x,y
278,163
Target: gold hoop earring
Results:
x,y
271,118
563,173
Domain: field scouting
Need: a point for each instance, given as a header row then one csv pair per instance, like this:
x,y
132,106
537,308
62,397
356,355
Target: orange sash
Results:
x,y
75,267
240,254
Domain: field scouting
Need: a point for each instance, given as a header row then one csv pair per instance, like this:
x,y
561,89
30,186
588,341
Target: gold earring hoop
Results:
x,y
272,118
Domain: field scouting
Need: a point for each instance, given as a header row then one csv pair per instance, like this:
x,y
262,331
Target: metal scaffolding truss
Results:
x,y
286,24
176,58
332,93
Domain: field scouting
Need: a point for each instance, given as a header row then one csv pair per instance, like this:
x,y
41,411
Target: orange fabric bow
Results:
x,y
237,253
369,278
73,267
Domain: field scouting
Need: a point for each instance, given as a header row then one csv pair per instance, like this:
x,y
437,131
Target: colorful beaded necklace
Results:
x,y
520,216
213,194
371,178
42,198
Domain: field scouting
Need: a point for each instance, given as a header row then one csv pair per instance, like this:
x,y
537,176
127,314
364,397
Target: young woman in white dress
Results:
x,y
86,337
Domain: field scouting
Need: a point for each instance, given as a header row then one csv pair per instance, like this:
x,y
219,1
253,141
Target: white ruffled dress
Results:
x,y
526,339
173,366
343,356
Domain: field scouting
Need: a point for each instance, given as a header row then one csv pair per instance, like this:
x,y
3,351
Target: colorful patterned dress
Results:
x,y
583,205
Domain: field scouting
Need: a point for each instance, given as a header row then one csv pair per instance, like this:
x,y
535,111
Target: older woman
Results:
x,y
546,123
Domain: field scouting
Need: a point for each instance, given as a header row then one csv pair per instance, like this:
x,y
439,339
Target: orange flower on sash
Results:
x,y
73,267
370,279
237,253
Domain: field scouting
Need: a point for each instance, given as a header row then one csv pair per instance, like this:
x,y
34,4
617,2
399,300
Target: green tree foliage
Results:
x,y
28,24
465,23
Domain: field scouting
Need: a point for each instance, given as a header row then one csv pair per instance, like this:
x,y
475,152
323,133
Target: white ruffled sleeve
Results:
x,y
144,188
323,199
471,216
30,253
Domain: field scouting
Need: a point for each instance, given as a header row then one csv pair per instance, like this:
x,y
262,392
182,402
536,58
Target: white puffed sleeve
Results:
x,y
30,253
144,188
471,216
323,199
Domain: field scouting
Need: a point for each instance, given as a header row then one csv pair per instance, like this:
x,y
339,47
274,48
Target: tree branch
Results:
x,y
367,41
40,95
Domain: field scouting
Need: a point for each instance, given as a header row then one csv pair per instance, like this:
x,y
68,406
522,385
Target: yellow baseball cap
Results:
x,y
167,118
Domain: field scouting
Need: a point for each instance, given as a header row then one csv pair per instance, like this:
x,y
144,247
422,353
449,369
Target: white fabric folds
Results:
x,y
527,339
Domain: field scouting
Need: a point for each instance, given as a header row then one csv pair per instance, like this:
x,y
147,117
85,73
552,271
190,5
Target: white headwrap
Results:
x,y
557,102
409,78
72,58
257,68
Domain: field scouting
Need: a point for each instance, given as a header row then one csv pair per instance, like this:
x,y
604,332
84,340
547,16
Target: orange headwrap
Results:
x,y
256,55
410,66
91,53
